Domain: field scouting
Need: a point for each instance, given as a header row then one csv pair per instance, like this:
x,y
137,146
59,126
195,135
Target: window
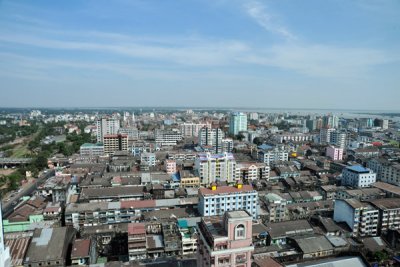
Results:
x,y
240,232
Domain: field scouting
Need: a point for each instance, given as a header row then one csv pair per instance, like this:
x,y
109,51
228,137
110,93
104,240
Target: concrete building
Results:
x,y
5,258
170,166
361,217
105,126
386,171
212,138
225,241
227,145
334,153
167,138
192,129
251,171
358,176
83,252
49,247
269,154
137,241
389,213
237,123
293,137
216,168
276,206
148,159
91,150
219,199
115,142
333,136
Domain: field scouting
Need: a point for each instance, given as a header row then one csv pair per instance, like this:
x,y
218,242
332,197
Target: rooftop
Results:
x,y
226,190
81,248
358,169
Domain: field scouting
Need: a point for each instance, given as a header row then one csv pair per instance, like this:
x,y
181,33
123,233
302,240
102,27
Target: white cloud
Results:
x,y
259,13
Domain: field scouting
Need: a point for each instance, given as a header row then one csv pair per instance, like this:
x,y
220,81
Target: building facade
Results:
x,y
225,241
237,123
358,176
106,126
216,167
219,199
115,142
334,153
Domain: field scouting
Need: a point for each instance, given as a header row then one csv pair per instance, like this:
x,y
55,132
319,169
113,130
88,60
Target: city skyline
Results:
x,y
335,54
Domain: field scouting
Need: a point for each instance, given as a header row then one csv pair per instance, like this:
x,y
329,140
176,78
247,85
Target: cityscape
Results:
x,y
215,133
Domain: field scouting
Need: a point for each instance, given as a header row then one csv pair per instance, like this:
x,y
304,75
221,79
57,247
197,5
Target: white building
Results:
x,y
167,138
170,166
148,159
334,153
219,199
106,126
252,171
5,258
358,176
216,167
333,137
361,217
273,154
192,129
227,145
211,137
91,150
237,123
294,137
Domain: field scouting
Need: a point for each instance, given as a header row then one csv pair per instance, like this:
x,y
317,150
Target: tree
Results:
x,y
258,141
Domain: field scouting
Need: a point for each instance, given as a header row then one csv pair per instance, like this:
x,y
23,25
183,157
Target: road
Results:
x,y
9,206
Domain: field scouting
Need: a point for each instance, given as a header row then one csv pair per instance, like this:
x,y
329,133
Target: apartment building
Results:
x,y
237,123
216,200
358,176
91,150
170,166
106,126
216,168
190,129
334,153
225,241
269,154
167,138
211,137
361,217
252,171
276,206
389,213
115,142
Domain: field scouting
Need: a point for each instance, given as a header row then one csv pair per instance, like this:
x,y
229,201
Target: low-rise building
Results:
x,y
92,150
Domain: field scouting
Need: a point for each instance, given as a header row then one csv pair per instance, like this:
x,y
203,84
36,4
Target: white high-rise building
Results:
x,y
192,129
5,258
105,126
216,167
237,123
333,136
211,137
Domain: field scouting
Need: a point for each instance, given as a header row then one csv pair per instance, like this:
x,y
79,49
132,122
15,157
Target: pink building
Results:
x,y
170,166
225,241
335,153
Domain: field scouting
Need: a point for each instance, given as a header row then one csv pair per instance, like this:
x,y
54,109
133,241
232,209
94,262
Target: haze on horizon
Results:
x,y
216,53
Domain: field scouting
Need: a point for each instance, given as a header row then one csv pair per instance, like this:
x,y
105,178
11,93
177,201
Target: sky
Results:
x,y
332,54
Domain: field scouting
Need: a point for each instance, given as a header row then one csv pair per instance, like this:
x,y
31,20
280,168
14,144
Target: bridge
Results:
x,y
14,161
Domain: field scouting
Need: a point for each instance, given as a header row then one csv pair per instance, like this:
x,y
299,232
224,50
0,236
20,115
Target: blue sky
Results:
x,y
219,53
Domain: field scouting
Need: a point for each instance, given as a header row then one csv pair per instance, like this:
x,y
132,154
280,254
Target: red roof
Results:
x,y
138,204
136,229
225,190
81,248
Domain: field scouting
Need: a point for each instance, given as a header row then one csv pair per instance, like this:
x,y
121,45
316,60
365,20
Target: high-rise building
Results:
x,y
271,154
333,136
216,167
105,126
331,121
192,129
237,123
225,241
5,258
212,138
115,142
